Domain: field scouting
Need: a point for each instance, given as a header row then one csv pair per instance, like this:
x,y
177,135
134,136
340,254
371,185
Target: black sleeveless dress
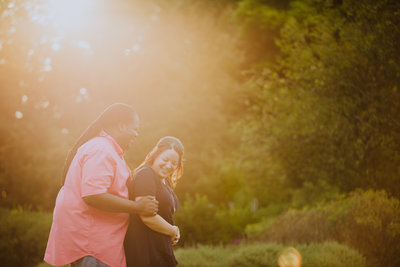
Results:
x,y
143,246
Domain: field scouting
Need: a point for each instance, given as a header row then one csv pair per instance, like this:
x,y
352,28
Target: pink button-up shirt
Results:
x,y
80,230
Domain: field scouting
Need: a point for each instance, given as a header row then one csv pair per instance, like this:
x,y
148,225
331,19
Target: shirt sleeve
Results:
x,y
97,173
144,184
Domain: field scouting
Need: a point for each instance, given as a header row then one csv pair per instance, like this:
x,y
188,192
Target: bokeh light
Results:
x,y
290,257
24,99
19,115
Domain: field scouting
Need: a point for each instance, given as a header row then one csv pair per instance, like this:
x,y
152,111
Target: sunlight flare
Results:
x,y
70,13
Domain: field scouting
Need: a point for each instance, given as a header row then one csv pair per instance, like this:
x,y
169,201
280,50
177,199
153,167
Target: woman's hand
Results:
x,y
175,237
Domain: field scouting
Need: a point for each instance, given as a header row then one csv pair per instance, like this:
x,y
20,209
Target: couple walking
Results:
x,y
105,217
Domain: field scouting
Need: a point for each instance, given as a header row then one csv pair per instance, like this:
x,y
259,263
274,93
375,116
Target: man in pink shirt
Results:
x,y
92,208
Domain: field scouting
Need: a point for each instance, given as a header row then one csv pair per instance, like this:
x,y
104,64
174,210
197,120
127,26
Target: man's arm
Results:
x,y
146,206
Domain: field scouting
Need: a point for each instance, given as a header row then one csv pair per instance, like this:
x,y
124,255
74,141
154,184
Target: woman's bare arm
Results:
x,y
158,224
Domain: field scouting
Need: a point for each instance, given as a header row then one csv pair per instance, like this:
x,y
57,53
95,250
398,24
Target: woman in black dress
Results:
x,y
149,239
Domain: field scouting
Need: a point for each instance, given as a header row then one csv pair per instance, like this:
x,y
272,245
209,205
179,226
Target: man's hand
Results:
x,y
147,206
176,236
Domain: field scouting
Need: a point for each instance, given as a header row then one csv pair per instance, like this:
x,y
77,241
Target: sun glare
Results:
x,y
71,13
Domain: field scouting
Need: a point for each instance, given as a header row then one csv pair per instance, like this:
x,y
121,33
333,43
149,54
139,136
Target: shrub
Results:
x,y
23,237
263,255
202,256
198,222
328,254
367,221
202,222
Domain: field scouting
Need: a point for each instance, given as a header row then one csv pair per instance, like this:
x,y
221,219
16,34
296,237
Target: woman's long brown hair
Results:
x,y
111,116
166,143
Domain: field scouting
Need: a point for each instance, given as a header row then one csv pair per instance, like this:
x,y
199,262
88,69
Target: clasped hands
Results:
x,y
176,236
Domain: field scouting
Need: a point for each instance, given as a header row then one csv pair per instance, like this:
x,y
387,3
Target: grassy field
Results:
x,y
43,264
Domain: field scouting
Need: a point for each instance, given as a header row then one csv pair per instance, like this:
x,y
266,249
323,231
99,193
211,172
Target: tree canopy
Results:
x,y
276,101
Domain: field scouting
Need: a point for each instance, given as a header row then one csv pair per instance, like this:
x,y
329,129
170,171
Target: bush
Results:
x,y
367,221
202,256
202,222
328,254
198,222
255,255
23,237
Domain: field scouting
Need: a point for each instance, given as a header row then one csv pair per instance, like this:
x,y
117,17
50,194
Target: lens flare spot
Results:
x,y
45,104
19,115
43,40
290,257
136,47
47,61
83,44
154,17
83,91
47,68
56,47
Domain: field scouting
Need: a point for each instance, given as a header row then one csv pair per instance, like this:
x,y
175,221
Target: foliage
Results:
x,y
311,194
329,254
256,255
30,164
197,220
202,222
260,24
202,256
367,221
327,112
23,237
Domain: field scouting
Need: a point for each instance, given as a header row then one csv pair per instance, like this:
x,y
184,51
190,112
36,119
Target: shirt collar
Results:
x,y
116,146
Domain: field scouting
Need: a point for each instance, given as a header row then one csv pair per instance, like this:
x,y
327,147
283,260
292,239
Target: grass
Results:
x,y
43,264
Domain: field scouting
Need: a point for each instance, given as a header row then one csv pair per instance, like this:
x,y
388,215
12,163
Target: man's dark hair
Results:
x,y
110,117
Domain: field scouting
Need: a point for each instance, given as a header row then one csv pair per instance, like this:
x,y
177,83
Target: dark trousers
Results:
x,y
88,261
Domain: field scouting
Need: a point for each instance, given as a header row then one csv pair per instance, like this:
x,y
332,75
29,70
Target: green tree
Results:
x,y
328,109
